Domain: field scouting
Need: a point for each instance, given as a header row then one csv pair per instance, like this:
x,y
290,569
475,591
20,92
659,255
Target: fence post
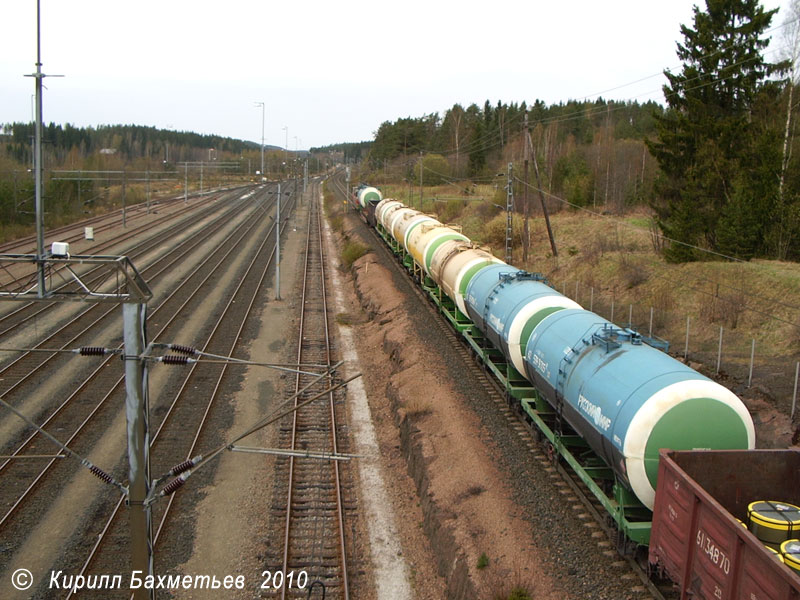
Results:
x,y
752,354
576,291
794,395
719,351
630,316
686,348
650,331
612,310
591,301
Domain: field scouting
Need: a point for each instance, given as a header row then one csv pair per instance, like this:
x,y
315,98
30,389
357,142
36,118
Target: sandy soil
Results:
x,y
406,387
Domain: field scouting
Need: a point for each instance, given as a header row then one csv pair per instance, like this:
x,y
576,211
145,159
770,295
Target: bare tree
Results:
x,y
457,112
791,40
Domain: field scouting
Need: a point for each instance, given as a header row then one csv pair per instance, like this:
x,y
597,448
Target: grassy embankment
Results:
x,y
606,260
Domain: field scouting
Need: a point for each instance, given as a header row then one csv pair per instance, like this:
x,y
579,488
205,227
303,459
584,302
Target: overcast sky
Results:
x,y
331,71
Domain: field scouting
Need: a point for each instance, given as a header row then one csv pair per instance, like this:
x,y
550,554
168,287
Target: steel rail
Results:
x,y
178,253
242,231
304,335
114,218
38,308
93,553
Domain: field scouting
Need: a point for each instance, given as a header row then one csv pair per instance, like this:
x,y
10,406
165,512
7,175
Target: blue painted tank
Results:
x,y
506,304
629,400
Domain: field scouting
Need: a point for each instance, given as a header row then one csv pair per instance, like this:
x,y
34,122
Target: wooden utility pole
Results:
x,y
541,195
420,181
509,214
526,211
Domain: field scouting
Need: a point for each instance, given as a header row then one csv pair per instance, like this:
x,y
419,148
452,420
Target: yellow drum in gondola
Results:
x,y
773,522
790,550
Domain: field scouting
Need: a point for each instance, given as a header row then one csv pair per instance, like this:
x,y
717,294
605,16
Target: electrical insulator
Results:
x,y
174,360
92,351
183,349
98,472
173,486
184,466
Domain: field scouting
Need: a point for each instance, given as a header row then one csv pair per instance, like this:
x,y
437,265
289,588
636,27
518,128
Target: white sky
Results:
x,y
331,71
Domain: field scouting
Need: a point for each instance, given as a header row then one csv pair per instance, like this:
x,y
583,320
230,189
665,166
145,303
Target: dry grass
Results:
x,y
511,587
352,251
617,260
418,407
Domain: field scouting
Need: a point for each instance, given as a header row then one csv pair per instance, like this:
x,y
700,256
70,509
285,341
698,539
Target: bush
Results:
x,y
436,169
451,211
352,251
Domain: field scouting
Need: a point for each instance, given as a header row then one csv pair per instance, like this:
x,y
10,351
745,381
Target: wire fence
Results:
x,y
722,353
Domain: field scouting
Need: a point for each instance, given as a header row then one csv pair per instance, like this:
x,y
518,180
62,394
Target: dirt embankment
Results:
x,y
467,515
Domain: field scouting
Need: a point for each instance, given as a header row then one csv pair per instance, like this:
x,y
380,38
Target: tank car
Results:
x,y
628,400
365,199
625,399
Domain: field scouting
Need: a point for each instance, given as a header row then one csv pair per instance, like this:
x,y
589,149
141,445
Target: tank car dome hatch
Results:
x,y
447,251
629,400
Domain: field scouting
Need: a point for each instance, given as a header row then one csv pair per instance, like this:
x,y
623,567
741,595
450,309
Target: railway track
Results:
x,y
181,432
568,485
21,275
24,374
311,496
101,223
71,416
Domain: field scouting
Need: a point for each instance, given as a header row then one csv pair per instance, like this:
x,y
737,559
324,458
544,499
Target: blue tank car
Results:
x,y
628,400
506,304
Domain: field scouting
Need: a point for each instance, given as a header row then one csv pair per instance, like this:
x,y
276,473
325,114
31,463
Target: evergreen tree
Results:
x,y
707,139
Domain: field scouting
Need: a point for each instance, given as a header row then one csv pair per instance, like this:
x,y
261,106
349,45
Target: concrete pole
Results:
x,y
278,246
136,412
185,183
263,116
124,209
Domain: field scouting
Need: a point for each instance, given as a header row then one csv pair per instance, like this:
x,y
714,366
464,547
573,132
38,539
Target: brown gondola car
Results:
x,y
701,503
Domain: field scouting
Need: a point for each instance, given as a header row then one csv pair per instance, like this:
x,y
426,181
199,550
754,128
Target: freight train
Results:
x,y
606,400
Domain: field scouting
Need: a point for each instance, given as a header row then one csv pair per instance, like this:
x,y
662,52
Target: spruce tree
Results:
x,y
707,139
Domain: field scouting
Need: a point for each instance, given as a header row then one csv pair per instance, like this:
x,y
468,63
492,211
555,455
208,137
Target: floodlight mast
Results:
x,y
263,112
37,158
134,298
